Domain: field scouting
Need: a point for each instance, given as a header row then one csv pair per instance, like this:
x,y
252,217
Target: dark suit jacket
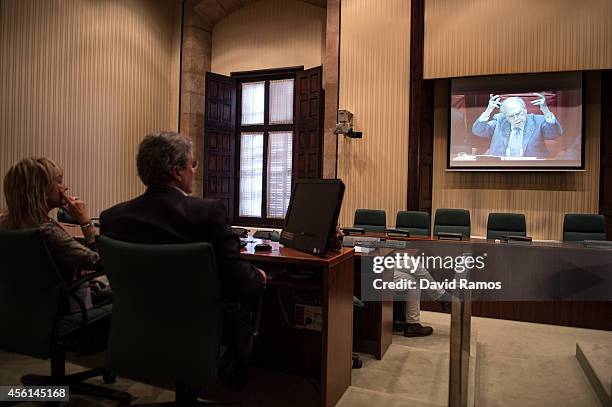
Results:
x,y
536,130
166,215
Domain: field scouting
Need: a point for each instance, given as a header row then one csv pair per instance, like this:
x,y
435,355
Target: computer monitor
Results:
x,y
312,215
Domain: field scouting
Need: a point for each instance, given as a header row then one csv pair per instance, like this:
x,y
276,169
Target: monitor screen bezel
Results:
x,y
551,168
336,214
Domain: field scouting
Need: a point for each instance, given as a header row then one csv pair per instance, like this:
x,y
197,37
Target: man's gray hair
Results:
x,y
158,155
512,100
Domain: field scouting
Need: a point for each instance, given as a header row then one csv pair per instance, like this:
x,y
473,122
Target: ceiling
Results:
x,y
213,11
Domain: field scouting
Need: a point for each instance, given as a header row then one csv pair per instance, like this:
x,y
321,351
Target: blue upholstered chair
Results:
x,y
506,224
372,220
416,222
452,221
583,226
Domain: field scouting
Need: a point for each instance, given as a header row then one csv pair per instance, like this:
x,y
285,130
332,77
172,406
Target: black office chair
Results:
x,y
506,224
583,226
452,221
372,220
167,312
33,295
416,222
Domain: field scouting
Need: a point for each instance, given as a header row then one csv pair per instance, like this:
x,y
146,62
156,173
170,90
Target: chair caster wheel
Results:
x,y
109,378
357,363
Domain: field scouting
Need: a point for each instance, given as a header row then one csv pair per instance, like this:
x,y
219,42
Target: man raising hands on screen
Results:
x,y
513,131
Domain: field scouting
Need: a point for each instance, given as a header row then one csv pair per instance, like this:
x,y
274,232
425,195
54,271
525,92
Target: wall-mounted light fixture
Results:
x,y
345,125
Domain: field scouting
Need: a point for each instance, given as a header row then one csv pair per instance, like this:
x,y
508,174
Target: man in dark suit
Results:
x,y
166,213
514,132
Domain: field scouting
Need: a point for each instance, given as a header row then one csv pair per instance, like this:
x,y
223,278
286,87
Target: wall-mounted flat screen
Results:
x,y
516,122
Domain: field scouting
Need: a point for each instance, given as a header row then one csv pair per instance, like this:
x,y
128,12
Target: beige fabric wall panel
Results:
x,y
82,82
269,34
374,73
544,197
479,37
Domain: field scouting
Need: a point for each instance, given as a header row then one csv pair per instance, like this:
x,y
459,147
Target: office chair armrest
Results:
x,y
74,285
82,310
71,289
82,334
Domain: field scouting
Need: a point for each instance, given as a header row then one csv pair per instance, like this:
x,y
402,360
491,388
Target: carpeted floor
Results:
x,y
513,364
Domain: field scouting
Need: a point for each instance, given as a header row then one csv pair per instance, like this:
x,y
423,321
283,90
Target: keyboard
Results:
x,y
382,244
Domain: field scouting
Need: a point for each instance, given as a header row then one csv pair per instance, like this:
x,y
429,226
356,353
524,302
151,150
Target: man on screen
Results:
x,y
513,131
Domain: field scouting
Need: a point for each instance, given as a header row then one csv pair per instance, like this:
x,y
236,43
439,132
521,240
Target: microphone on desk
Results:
x,y
355,231
517,239
448,235
391,232
597,244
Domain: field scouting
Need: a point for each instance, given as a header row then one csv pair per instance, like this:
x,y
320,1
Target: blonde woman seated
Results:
x,y
32,188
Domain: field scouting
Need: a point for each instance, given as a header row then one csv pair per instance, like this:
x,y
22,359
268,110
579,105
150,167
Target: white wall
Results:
x,y
82,82
374,85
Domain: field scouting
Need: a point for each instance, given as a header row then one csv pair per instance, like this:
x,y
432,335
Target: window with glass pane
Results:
x,y
281,101
253,101
251,174
279,172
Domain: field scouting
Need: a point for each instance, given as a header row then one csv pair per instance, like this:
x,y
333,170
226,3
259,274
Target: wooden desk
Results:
x,y
542,262
324,355
373,325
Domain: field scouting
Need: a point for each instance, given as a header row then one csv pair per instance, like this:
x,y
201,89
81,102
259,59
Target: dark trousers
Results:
x,y
240,329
